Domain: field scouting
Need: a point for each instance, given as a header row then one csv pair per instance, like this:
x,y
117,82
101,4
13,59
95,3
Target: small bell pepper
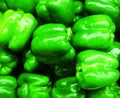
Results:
x,y
51,44
110,91
30,61
108,7
60,11
33,86
94,32
8,61
96,69
67,88
25,5
3,6
8,86
16,28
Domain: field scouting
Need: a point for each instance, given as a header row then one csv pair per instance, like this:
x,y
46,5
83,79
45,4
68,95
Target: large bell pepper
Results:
x,y
51,44
96,69
108,7
60,11
110,91
8,86
8,61
16,28
67,88
94,32
25,5
33,86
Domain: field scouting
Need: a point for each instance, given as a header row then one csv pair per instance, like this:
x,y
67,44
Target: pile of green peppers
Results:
x,y
59,48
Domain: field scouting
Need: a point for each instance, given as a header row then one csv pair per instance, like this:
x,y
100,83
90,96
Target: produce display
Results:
x,y
59,48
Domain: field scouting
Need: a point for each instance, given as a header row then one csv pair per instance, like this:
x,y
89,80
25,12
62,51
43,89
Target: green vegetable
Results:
x,y
7,87
94,32
60,11
8,61
111,91
70,47
108,7
16,29
96,69
33,86
67,88
51,44
30,61
25,5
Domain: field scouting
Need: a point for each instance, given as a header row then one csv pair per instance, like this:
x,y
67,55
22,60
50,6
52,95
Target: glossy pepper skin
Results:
x,y
96,69
94,32
59,11
8,85
110,91
30,61
51,44
67,88
108,7
33,86
3,6
8,61
25,5
16,29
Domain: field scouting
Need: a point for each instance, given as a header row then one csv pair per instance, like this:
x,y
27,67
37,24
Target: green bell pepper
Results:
x,y
60,11
96,69
111,91
94,32
30,61
25,5
33,86
108,7
67,88
16,29
3,6
51,44
8,61
8,85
